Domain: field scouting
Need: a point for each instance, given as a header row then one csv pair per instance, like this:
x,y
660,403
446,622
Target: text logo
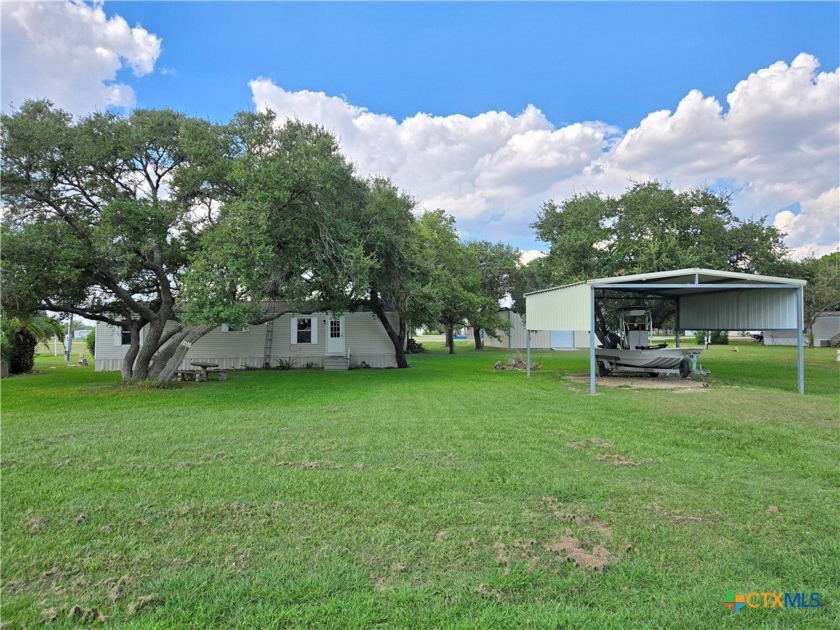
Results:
x,y
736,601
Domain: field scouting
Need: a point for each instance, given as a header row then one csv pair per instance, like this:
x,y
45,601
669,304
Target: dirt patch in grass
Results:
x,y
584,540
84,615
619,460
679,518
580,554
616,459
49,615
142,602
36,524
307,464
116,591
596,442
642,382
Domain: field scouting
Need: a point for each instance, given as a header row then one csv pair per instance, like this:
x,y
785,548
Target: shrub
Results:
x,y
90,342
286,364
6,347
414,347
717,337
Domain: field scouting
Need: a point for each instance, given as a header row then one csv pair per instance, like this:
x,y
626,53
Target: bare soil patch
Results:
x,y
582,556
643,382
622,462
584,540
615,459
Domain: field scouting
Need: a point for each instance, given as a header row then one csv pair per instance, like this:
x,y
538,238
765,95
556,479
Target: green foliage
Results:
x,y
398,276
536,275
822,293
498,264
455,280
157,216
285,232
716,337
20,337
286,364
90,342
6,346
652,228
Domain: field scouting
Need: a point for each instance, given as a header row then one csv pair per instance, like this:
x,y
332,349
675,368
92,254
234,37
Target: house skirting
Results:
x,y
239,363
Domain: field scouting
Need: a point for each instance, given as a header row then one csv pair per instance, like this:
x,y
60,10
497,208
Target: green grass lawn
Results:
x,y
447,495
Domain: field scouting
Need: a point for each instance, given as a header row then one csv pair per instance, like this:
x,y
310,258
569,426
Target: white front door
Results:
x,y
335,335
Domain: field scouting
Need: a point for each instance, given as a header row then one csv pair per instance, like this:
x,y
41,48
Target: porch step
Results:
x,y
337,363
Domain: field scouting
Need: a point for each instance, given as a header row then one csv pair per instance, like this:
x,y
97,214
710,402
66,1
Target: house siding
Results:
x,y
365,340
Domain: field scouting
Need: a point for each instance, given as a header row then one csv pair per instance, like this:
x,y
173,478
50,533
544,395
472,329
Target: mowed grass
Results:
x,y
446,495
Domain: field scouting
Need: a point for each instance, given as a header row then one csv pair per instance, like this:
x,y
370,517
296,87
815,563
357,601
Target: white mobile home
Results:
x,y
313,340
517,336
826,331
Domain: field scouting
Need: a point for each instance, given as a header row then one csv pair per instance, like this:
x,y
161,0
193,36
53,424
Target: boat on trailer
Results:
x,y
631,350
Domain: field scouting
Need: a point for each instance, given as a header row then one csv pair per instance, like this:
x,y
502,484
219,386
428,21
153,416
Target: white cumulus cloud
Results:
x,y
816,229
70,53
775,143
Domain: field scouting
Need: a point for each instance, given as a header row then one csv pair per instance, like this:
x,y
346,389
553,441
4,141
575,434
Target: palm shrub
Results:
x,y
21,335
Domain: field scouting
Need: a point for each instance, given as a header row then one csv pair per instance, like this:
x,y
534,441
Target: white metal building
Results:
x,y
704,299
516,338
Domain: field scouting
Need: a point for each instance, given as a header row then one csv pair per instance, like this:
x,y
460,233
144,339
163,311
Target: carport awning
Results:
x,y
709,300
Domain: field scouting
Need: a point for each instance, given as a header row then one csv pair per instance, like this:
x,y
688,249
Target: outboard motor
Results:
x,y
612,340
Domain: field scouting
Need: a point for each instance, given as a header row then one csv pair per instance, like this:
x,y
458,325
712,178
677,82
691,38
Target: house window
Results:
x,y
304,330
335,329
125,336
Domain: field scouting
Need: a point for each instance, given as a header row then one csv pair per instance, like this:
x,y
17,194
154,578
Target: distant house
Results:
x,y
81,334
826,331
516,337
313,340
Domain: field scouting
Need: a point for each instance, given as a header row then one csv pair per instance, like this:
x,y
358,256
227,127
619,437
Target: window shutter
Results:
x,y
117,336
294,330
315,321
225,328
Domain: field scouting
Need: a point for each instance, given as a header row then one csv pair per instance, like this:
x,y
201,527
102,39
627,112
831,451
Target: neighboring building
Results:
x,y
316,339
779,337
81,334
826,331
516,337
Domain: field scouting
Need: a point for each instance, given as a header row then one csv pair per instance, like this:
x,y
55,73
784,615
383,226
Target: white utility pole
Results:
x,y
69,345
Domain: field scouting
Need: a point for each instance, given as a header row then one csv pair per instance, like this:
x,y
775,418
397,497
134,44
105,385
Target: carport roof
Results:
x,y
664,282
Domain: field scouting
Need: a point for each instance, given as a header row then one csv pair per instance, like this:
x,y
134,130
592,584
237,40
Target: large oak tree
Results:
x,y
172,225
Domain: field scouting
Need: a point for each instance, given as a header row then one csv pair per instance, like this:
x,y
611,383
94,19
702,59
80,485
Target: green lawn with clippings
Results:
x,y
447,495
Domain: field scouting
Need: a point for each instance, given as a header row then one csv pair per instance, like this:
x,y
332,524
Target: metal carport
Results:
x,y
705,299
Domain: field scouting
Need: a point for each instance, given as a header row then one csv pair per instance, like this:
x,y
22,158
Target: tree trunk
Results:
x,y
479,342
193,334
397,337
151,344
450,339
128,360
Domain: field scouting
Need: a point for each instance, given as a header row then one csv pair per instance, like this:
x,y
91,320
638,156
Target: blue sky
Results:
x,y
485,109
576,61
